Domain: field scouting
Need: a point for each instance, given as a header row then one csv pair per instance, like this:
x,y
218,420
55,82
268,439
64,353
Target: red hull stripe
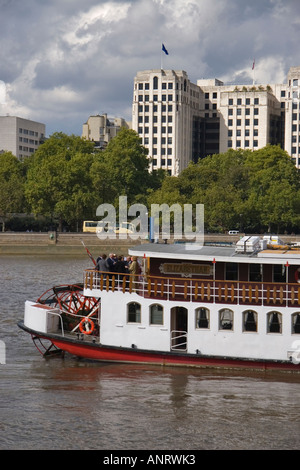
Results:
x,y
107,354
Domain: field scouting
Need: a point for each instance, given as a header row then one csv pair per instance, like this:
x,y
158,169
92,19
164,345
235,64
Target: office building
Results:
x,y
20,136
179,121
101,130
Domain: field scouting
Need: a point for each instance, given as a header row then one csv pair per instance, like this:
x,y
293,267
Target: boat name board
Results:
x,y
186,269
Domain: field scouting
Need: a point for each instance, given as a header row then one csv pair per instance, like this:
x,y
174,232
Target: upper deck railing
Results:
x,y
197,290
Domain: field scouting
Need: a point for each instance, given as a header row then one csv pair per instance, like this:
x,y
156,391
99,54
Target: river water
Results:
x,y
70,404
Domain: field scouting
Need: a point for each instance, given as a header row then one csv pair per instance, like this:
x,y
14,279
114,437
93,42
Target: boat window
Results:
x,y
156,314
231,271
296,323
274,322
249,320
225,319
134,312
202,317
279,273
255,271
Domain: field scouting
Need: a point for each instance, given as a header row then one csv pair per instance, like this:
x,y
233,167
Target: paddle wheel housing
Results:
x,y
75,309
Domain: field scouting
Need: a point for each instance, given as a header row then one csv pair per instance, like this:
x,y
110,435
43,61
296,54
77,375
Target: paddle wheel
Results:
x,y
79,314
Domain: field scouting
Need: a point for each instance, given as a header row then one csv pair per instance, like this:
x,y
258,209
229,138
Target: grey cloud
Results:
x,y
62,65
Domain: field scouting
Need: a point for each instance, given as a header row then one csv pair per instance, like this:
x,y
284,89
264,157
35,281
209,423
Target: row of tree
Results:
x,y
66,180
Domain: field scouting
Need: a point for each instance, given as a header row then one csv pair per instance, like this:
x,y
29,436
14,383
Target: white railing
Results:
x,y
178,340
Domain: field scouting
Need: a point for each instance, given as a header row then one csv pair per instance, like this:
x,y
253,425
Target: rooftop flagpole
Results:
x,y
253,66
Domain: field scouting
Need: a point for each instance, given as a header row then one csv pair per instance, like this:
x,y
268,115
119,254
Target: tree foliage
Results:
x,y
11,186
67,179
240,189
58,180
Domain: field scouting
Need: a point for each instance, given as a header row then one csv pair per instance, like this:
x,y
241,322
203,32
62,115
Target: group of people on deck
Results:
x,y
118,264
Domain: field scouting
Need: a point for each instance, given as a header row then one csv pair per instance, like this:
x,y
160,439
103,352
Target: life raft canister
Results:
x,y
297,275
86,326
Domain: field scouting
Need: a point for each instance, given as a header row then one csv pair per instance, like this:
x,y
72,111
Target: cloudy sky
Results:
x,y
63,60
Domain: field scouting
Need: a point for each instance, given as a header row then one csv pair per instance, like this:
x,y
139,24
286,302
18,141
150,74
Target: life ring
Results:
x,y
297,272
86,326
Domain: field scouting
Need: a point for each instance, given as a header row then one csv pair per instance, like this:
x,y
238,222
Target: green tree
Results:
x,y
58,180
11,186
122,169
274,193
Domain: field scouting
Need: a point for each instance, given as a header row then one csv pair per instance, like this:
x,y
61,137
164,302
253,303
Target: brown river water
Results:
x,y
71,404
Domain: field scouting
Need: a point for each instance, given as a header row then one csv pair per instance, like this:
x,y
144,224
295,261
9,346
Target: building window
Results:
x,y
249,320
296,323
134,313
156,314
226,319
256,100
274,322
155,83
202,317
230,101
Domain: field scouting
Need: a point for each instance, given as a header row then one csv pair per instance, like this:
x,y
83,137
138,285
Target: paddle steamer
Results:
x,y
235,306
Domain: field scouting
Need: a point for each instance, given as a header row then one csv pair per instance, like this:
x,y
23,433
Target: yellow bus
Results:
x,y
90,226
93,226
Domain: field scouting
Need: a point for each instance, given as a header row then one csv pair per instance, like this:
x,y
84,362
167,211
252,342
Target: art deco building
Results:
x,y
20,136
101,130
179,121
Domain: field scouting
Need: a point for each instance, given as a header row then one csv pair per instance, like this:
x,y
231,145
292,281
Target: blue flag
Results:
x,y
165,50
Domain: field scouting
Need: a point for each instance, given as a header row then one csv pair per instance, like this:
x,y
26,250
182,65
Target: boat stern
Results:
x,y
42,318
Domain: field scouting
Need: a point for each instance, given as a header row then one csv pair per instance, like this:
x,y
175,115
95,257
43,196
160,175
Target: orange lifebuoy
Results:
x,y
86,326
297,275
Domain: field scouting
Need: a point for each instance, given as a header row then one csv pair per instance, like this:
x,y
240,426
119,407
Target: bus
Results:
x,y
94,226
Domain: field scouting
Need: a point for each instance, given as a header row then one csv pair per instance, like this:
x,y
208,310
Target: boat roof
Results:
x,y
196,252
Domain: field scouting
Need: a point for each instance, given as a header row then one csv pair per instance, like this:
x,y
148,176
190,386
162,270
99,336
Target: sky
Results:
x,y
64,60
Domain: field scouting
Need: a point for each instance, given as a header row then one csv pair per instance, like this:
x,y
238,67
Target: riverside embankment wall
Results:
x,y
50,243
43,243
